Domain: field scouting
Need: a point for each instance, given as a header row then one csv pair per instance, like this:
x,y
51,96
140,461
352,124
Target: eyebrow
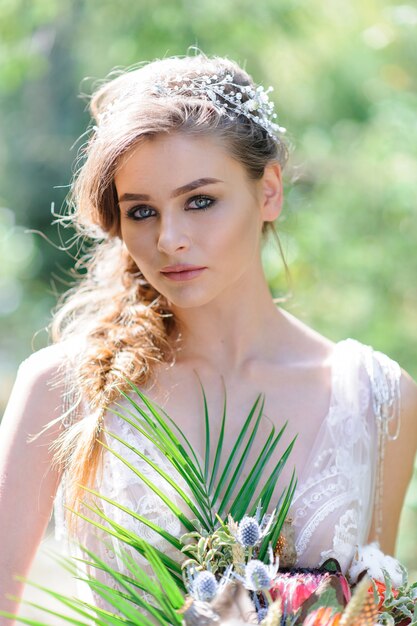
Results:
x,y
195,184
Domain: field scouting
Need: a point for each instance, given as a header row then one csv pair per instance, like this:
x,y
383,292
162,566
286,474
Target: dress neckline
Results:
x,y
334,372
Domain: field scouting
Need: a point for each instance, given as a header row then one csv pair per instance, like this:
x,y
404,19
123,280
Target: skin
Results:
x,y
229,327
175,233
230,300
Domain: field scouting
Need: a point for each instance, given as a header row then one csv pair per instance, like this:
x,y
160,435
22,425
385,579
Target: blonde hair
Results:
x,y
124,323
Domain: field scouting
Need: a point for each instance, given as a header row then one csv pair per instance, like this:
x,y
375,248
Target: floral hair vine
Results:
x,y
256,107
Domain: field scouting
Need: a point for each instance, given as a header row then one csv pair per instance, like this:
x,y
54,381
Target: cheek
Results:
x,y
125,233
137,246
244,234
232,239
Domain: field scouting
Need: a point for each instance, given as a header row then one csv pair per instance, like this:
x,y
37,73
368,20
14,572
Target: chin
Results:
x,y
188,303
190,300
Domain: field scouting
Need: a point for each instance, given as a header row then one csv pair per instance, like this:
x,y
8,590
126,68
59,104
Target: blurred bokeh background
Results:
x,y
344,74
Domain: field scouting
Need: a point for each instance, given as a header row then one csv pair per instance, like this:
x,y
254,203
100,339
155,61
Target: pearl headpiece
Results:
x,y
256,106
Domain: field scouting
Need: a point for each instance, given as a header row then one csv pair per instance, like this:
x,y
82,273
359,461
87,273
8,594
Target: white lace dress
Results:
x,y
336,495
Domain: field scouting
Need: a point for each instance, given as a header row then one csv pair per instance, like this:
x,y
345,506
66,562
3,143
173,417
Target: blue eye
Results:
x,y
139,212
203,199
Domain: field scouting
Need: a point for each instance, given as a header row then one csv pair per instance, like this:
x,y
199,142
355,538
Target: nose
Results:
x,y
172,235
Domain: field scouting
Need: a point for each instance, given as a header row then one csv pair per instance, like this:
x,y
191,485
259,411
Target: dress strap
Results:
x,y
384,375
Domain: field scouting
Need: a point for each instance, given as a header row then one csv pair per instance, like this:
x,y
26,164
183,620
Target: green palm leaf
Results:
x,y
77,606
233,457
219,448
165,534
159,427
241,504
212,496
239,507
195,480
126,536
281,511
228,467
155,428
196,486
167,595
163,588
181,516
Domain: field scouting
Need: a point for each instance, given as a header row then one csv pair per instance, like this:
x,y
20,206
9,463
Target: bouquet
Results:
x,y
236,562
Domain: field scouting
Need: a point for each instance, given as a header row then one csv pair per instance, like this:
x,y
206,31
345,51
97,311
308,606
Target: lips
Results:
x,y
182,272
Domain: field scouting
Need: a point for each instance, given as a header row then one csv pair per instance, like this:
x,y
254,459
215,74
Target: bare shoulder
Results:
x,y
36,396
45,362
304,343
28,474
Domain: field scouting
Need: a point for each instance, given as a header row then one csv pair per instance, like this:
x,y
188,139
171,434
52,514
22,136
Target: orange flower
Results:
x,y
381,589
324,616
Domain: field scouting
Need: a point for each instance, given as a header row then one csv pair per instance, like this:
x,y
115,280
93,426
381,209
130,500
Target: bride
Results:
x,y
179,184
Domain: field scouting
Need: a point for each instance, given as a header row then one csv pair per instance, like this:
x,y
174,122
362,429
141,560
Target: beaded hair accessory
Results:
x,y
237,100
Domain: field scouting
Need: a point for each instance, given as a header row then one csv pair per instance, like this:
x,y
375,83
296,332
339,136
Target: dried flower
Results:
x,y
273,614
197,613
362,608
234,603
372,560
285,546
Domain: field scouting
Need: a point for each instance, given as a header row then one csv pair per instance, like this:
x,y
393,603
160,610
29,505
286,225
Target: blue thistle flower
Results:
x,y
205,586
249,532
257,576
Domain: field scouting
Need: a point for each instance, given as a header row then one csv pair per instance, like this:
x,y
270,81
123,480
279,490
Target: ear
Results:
x,y
271,192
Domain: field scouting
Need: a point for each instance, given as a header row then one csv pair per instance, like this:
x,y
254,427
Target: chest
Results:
x,y
298,397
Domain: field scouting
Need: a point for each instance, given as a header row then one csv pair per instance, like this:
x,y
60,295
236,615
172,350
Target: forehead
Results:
x,y
175,159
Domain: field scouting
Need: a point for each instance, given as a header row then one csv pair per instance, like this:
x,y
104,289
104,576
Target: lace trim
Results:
x,y
305,536
385,377
317,479
128,487
363,379
344,539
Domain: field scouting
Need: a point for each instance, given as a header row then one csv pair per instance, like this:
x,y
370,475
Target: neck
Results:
x,y
234,329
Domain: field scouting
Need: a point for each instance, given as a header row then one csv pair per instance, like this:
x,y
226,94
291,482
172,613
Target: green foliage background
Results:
x,y
344,74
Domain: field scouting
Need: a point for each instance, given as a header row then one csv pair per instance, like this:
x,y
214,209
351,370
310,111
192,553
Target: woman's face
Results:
x,y
184,201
